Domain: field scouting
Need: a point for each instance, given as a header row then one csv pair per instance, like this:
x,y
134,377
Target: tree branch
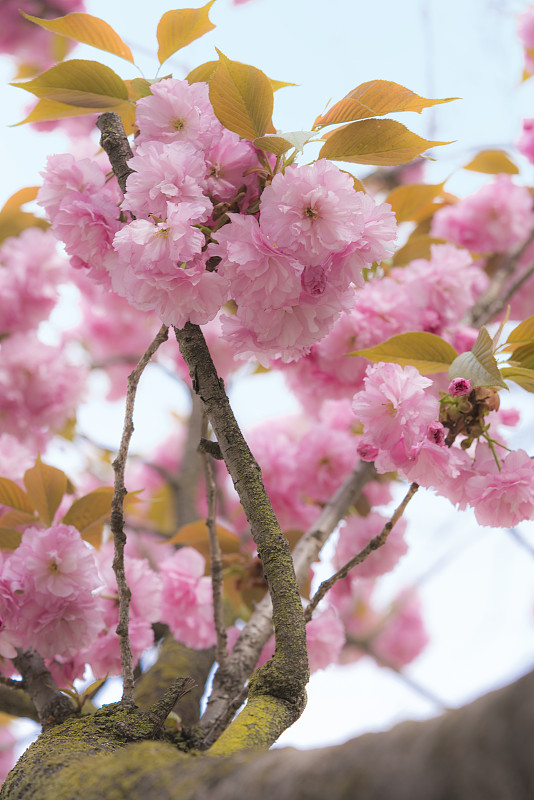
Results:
x,y
51,706
216,568
374,544
117,519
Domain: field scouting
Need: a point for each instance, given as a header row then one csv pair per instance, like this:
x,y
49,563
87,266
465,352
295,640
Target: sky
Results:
x,y
476,584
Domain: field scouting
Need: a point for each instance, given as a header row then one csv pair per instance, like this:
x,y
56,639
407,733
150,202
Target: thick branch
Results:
x,y
116,145
260,626
52,707
286,674
480,752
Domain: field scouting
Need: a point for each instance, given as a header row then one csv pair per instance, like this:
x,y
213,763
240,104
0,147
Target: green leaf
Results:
x,y
45,486
374,99
89,513
13,496
479,364
520,375
86,84
242,98
13,220
413,200
86,29
425,351
203,73
178,28
382,142
492,162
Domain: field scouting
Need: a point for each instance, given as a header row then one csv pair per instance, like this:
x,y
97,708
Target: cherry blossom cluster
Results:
x,y
402,432
289,259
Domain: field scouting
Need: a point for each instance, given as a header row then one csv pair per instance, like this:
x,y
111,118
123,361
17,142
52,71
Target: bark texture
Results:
x,y
480,752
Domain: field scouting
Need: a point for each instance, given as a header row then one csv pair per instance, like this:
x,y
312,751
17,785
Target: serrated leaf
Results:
x,y
242,98
89,513
522,334
478,364
13,496
9,538
520,375
86,84
425,351
374,99
492,162
86,29
45,486
178,28
415,247
196,535
381,142
412,200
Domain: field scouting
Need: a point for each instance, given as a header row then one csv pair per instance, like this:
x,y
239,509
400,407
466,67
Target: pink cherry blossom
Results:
x,y
53,561
502,497
496,218
173,172
394,405
177,111
187,605
313,209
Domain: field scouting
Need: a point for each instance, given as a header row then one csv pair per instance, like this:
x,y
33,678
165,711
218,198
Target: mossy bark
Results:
x,y
480,752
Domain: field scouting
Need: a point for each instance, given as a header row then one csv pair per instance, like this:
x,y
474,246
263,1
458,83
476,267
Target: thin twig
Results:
x,y
117,519
490,303
374,544
221,651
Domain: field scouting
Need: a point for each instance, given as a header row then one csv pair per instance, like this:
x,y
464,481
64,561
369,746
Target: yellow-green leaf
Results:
x,y
47,110
9,538
13,220
415,247
178,28
203,73
520,375
492,162
412,200
522,334
374,99
280,84
196,535
479,364
86,29
88,84
242,98
523,356
45,486
89,513
425,351
272,143
13,496
382,142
